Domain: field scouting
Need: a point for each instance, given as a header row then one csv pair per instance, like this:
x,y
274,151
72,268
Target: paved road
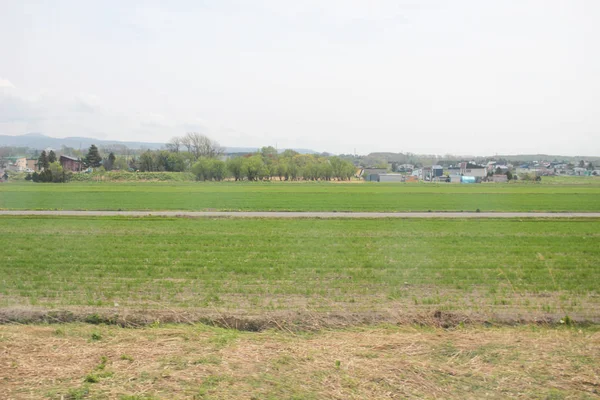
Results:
x,y
307,214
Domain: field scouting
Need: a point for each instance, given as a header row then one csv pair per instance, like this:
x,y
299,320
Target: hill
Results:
x,y
39,141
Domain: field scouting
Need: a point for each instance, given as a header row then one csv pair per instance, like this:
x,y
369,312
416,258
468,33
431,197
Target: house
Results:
x,y
476,171
452,170
21,163
426,173
437,171
31,164
70,163
579,171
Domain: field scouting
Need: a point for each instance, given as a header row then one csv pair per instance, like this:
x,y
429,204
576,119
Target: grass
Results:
x,y
362,363
290,196
355,269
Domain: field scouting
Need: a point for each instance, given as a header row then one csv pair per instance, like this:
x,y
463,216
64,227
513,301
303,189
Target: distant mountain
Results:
x,y
545,157
39,141
378,157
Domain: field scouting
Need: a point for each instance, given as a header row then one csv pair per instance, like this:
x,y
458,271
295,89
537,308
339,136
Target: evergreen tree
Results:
x,y
51,157
109,162
43,161
93,159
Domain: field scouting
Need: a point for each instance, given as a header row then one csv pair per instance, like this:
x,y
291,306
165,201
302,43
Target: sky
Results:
x,y
422,76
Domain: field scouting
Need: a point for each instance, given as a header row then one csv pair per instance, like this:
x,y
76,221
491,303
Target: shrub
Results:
x,y
125,176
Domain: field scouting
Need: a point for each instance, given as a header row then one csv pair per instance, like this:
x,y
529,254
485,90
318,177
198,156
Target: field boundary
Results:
x,y
301,320
298,214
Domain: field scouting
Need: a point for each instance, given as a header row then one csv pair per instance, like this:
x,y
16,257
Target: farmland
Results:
x,y
371,270
299,308
296,196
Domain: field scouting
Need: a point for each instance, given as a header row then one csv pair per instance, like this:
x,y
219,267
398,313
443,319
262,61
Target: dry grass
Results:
x,y
361,363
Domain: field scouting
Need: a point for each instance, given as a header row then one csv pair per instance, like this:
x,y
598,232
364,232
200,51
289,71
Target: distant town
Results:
x,y
203,157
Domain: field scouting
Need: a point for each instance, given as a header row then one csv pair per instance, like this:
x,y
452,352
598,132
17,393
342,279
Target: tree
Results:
x,y
52,156
282,169
57,173
289,153
147,162
175,162
270,157
109,163
174,144
325,170
253,168
509,175
120,164
45,176
202,169
202,146
218,170
236,167
292,169
337,166
268,152
43,161
92,159
207,169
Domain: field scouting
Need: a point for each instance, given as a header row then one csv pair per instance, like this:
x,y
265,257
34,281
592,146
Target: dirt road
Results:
x,y
307,214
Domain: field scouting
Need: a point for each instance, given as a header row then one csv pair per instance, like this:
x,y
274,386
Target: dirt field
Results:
x,y
76,361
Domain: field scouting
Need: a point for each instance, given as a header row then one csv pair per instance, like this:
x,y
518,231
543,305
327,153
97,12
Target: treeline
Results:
x,y
52,173
203,157
268,165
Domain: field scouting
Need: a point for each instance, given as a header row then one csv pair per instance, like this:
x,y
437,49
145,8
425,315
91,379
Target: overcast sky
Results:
x,y
462,77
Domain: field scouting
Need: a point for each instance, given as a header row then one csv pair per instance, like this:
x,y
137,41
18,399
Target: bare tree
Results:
x,y
202,146
175,144
187,142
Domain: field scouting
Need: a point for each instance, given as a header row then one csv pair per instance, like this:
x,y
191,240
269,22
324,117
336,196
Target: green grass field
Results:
x,y
287,196
503,268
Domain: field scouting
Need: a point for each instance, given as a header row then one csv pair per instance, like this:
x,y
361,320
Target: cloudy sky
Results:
x,y
426,76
